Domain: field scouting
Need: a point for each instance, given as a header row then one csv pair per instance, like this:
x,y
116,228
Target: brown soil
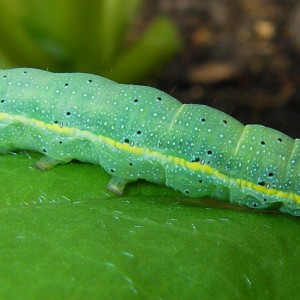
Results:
x,y
239,56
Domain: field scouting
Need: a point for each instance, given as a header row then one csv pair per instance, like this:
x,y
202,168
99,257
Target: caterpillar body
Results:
x,y
140,132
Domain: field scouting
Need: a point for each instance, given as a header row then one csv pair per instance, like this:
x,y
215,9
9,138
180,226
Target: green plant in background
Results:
x,y
89,36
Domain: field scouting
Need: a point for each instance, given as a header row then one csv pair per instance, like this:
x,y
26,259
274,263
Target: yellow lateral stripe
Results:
x,y
140,151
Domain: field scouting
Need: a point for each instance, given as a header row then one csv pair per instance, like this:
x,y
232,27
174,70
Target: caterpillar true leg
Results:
x,y
46,163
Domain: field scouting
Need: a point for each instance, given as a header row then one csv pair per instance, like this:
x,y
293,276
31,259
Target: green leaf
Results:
x,y
64,236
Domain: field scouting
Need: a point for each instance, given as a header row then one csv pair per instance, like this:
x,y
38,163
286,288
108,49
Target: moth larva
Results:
x,y
140,132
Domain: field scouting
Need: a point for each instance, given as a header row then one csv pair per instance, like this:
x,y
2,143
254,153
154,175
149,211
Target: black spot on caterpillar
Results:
x,y
140,132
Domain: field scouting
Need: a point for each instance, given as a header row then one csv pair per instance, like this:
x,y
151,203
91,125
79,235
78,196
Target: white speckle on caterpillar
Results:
x,y
140,132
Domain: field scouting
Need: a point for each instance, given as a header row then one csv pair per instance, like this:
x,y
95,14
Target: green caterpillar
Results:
x,y
140,132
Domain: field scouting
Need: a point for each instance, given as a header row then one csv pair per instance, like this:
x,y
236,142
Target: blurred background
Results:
x,y
239,56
